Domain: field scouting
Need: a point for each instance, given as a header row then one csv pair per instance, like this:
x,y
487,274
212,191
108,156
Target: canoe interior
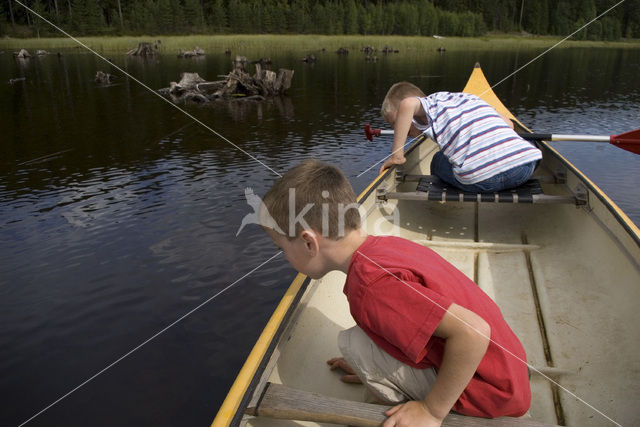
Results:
x,y
566,278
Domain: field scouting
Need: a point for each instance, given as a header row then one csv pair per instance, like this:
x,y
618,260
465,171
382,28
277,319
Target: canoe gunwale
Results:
x,y
239,404
612,207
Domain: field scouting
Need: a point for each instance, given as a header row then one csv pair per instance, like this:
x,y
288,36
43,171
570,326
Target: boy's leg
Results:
x,y
511,178
388,379
508,179
441,168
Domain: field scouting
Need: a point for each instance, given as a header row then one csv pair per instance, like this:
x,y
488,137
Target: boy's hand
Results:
x,y
412,413
390,162
339,362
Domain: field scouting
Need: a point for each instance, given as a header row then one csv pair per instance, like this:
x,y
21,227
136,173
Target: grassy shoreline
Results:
x,y
306,43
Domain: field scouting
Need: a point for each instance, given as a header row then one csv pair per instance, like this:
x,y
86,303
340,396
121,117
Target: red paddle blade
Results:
x,y
367,132
370,133
629,141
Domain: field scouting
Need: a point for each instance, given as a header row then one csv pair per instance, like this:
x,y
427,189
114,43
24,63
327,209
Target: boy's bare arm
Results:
x,y
406,110
401,126
467,338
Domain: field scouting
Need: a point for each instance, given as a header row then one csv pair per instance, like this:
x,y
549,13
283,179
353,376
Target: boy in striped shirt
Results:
x,y
479,151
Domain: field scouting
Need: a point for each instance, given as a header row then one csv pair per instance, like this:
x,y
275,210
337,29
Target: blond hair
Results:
x,y
319,191
397,93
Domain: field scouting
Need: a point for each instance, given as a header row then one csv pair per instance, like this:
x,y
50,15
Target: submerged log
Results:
x,y
41,52
103,78
191,53
388,49
309,58
144,49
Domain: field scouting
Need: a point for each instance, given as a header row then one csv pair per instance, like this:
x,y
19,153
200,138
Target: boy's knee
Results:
x,y
350,340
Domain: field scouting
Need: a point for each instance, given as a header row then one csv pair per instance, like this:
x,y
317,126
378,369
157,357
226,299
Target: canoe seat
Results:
x,y
285,403
431,188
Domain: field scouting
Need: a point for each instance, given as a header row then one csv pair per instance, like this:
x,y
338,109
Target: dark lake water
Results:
x,y
118,214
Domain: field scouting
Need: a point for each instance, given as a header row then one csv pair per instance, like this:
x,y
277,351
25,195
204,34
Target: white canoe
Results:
x,y
565,275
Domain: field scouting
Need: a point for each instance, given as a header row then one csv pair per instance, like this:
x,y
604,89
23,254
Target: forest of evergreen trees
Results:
x,y
406,17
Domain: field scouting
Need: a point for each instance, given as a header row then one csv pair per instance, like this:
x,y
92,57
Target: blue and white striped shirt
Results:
x,y
473,136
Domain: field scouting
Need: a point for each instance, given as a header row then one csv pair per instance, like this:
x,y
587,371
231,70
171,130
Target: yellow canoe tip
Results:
x,y
477,65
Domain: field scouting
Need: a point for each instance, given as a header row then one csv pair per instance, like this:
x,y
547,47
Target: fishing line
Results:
x,y
148,88
555,45
385,158
489,338
184,316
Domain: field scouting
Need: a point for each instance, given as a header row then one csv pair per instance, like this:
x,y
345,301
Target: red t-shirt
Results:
x,y
401,321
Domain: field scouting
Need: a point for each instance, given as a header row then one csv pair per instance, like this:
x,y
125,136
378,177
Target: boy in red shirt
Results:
x,y
427,337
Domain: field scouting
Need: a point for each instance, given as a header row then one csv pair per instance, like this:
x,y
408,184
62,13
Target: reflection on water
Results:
x,y
118,214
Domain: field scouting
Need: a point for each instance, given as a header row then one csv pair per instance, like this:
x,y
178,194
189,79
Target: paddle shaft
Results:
x,y
559,137
629,141
544,136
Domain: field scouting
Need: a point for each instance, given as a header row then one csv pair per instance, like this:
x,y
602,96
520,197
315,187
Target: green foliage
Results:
x,y
350,18
535,17
611,28
428,16
448,23
561,23
384,17
193,15
216,16
88,17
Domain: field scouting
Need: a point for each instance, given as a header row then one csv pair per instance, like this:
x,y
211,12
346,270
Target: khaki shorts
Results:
x,y
387,379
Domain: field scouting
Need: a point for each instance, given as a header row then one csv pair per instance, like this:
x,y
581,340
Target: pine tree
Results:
x,y
448,23
177,12
193,15
164,17
216,16
631,19
428,18
535,17
350,17
297,17
38,24
364,21
561,23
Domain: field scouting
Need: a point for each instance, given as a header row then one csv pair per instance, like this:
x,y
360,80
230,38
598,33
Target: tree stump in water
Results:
x,y
144,49
22,54
103,78
239,63
238,84
388,49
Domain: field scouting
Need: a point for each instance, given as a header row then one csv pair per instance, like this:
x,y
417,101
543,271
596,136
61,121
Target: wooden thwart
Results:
x,y
282,402
432,188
